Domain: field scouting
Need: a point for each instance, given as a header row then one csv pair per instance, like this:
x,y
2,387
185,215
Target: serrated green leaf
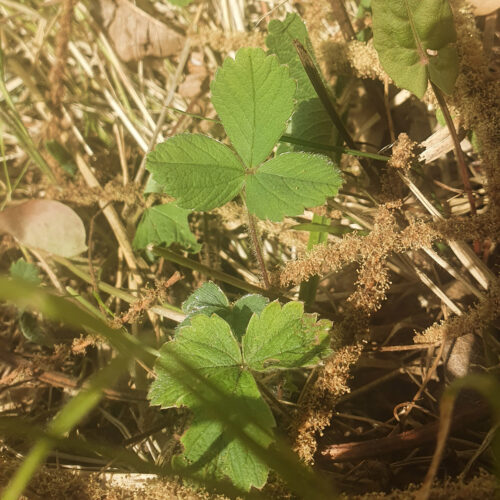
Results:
x,y
285,338
207,350
413,38
208,299
311,123
254,97
216,453
165,224
290,182
200,172
209,347
242,312
25,271
280,42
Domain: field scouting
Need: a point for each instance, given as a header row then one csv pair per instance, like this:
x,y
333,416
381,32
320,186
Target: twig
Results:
x,y
357,451
458,149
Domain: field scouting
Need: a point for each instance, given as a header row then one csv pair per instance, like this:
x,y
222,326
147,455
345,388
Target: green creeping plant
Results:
x,y
215,359
216,356
254,97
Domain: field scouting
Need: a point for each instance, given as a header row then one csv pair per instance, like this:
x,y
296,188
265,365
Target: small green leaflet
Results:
x,y
205,366
285,338
288,183
25,271
200,172
208,299
253,95
165,224
414,40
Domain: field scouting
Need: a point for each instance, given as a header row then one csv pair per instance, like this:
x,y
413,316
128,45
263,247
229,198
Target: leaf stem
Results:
x,y
252,229
213,273
458,149
338,149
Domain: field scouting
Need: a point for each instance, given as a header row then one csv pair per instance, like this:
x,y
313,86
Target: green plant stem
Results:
x,y
338,149
308,288
213,273
252,229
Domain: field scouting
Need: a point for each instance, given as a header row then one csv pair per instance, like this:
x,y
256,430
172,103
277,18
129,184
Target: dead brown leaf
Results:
x,y
46,225
134,33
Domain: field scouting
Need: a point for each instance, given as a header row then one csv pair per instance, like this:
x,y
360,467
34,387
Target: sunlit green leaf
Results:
x,y
254,97
198,171
165,224
290,182
285,337
414,41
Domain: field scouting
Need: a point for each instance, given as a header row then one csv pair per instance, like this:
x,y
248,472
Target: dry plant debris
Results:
x,y
107,81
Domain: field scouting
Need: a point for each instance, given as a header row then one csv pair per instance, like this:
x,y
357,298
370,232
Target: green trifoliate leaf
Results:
x,y
25,271
200,172
202,365
290,182
165,224
285,338
280,42
254,97
413,39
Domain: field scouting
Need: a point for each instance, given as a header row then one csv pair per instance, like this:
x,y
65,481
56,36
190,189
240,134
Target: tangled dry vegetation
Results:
x,y
412,289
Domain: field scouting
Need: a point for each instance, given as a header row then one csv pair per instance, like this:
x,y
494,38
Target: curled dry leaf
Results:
x,y
46,225
134,33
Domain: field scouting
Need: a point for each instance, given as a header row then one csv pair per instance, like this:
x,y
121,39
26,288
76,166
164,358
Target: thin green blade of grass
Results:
x,y
308,288
12,119
57,308
64,422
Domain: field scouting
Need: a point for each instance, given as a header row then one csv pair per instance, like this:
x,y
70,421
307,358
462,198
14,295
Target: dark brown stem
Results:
x,y
328,102
252,229
323,93
357,451
458,149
